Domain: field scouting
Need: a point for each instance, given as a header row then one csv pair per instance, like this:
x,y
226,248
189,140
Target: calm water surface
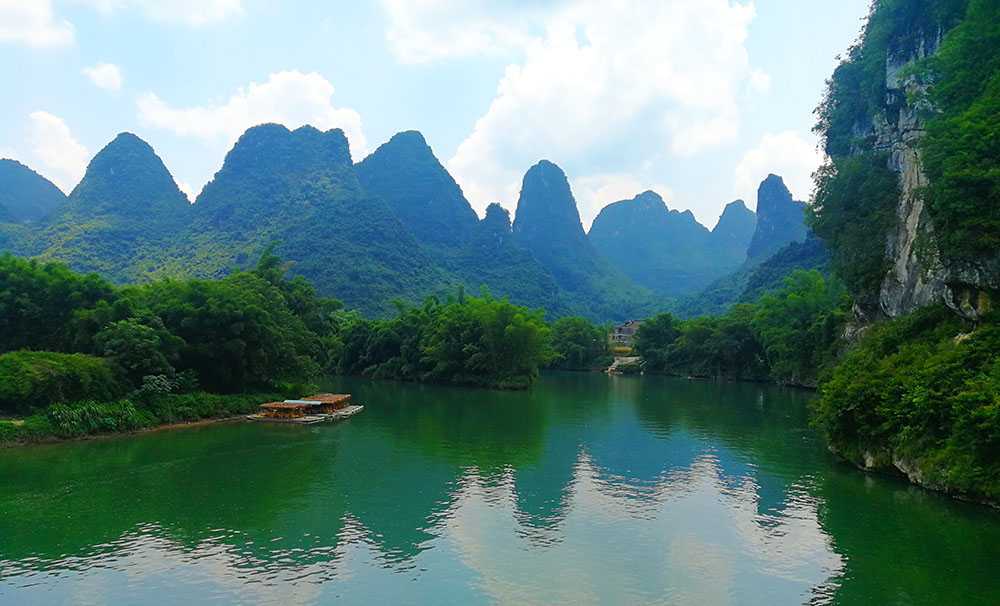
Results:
x,y
585,490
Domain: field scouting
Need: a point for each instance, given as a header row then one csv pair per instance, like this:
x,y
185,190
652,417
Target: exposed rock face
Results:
x,y
405,173
780,220
917,275
26,196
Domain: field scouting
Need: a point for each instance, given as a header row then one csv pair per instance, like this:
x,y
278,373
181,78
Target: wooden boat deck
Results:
x,y
338,415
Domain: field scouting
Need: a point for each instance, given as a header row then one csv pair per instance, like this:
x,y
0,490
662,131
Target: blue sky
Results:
x,y
696,99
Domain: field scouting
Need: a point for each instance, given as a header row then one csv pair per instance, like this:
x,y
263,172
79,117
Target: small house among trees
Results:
x,y
624,334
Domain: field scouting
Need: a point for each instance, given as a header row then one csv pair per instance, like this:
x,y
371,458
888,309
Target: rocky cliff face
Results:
x,y
917,276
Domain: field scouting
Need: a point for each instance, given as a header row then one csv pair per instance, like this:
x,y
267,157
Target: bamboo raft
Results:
x,y
320,408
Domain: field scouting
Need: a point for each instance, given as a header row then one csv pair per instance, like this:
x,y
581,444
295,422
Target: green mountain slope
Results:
x,y
120,217
26,196
666,250
405,173
547,224
298,190
780,220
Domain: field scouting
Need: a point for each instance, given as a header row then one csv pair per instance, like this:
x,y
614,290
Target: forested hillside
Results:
x,y
395,225
26,196
668,251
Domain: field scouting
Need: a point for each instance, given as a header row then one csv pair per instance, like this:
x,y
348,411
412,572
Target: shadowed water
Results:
x,y
587,489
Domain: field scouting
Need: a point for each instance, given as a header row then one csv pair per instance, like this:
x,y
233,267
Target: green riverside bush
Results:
x,y
35,379
923,390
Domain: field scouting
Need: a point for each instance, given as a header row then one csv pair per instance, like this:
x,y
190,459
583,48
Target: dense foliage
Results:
x,y
918,393
962,146
853,211
751,281
252,330
579,344
466,340
36,379
857,90
923,390
941,56
786,336
140,411
26,196
39,303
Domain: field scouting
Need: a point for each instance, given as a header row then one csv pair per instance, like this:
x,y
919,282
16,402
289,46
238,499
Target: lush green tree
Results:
x,y
654,338
135,348
579,344
962,146
35,379
798,325
40,303
238,332
923,389
853,211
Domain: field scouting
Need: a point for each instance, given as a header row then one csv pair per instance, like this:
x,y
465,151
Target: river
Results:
x,y
586,489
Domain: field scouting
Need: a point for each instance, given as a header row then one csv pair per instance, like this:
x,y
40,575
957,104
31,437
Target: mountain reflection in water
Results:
x,y
586,489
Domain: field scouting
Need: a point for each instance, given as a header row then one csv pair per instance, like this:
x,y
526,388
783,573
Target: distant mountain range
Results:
x,y
394,226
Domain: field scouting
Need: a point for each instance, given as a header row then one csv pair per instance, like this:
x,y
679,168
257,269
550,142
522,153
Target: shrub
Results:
x,y
921,389
85,418
34,379
579,344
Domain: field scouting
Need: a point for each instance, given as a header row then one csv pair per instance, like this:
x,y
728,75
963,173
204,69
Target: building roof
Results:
x,y
329,398
286,405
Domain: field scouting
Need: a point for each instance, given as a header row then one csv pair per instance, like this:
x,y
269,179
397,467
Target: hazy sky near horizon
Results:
x,y
696,99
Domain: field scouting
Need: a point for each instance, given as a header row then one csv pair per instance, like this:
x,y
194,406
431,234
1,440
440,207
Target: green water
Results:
x,y
587,489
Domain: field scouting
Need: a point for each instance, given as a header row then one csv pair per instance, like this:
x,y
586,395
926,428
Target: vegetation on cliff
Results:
x,y
918,393
921,393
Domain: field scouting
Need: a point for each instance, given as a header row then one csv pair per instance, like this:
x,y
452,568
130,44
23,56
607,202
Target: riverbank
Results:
x,y
83,420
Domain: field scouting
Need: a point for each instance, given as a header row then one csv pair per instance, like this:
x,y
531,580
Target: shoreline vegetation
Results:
x,y
83,357
92,420
87,358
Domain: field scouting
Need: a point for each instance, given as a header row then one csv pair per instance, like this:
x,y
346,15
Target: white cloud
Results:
x,y
105,75
33,23
648,79
760,81
789,154
194,13
54,151
291,98
594,192
188,191
191,12
426,30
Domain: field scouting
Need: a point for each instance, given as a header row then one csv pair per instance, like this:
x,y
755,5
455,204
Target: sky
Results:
x,y
697,100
